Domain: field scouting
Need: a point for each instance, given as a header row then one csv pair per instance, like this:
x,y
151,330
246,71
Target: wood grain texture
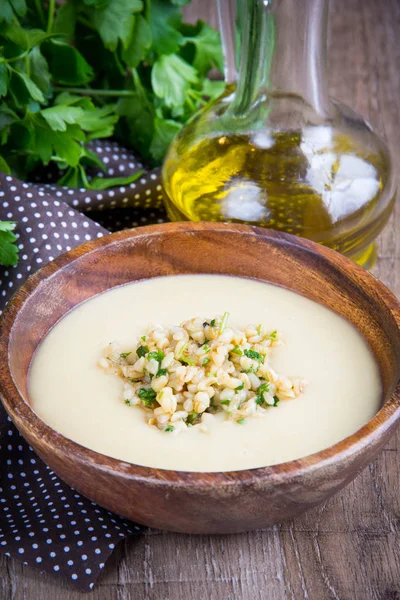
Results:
x,y
347,549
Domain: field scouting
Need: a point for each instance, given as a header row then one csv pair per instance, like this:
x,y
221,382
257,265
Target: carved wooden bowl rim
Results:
x,y
339,453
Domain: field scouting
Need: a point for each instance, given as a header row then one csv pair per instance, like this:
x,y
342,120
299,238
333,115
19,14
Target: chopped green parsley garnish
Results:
x,y
237,350
264,387
185,359
188,361
224,321
191,417
158,355
254,355
161,372
142,351
260,393
223,388
147,395
251,370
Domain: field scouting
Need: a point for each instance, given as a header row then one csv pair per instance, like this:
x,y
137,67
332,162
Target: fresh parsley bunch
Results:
x,y
78,70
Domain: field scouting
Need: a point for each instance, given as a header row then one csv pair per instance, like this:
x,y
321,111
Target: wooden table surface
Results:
x,y
348,548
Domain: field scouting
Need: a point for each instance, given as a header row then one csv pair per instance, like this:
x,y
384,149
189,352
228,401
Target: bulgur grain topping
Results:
x,y
182,375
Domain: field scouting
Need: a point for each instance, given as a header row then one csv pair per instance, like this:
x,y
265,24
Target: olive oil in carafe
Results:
x,y
315,183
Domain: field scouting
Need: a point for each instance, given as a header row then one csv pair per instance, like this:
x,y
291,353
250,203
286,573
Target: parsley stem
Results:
x,y
50,19
95,92
39,8
27,68
14,58
224,322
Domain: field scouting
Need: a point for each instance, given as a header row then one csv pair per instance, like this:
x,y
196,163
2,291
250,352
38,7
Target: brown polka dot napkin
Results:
x,y
44,522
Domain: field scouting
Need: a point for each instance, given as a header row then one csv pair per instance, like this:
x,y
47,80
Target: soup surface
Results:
x,y
73,395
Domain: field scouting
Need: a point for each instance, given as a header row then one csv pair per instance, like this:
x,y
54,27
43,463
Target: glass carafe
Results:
x,y
274,150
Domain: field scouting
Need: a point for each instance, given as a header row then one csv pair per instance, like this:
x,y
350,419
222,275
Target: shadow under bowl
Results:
x,y
188,501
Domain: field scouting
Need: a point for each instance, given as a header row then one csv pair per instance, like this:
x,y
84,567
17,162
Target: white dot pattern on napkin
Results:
x,y
145,192
43,522
47,523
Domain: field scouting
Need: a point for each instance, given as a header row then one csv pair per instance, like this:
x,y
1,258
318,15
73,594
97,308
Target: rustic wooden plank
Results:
x,y
348,548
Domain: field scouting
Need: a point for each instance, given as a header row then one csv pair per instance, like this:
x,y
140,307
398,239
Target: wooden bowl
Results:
x,y
187,501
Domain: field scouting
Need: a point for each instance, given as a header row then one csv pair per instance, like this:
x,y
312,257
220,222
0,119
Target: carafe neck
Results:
x,y
276,46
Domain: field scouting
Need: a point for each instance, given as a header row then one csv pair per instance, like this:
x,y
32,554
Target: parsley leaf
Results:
x,y
188,361
164,132
115,21
3,79
161,372
191,417
165,21
73,71
4,166
142,351
237,350
7,8
39,70
264,387
65,20
171,77
208,52
23,88
8,250
157,354
102,183
62,144
58,117
67,65
254,355
147,395
139,44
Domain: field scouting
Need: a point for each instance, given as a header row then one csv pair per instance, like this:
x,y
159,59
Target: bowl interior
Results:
x,y
299,265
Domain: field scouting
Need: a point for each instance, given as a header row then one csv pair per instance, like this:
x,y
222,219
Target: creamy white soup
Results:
x,y
77,398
